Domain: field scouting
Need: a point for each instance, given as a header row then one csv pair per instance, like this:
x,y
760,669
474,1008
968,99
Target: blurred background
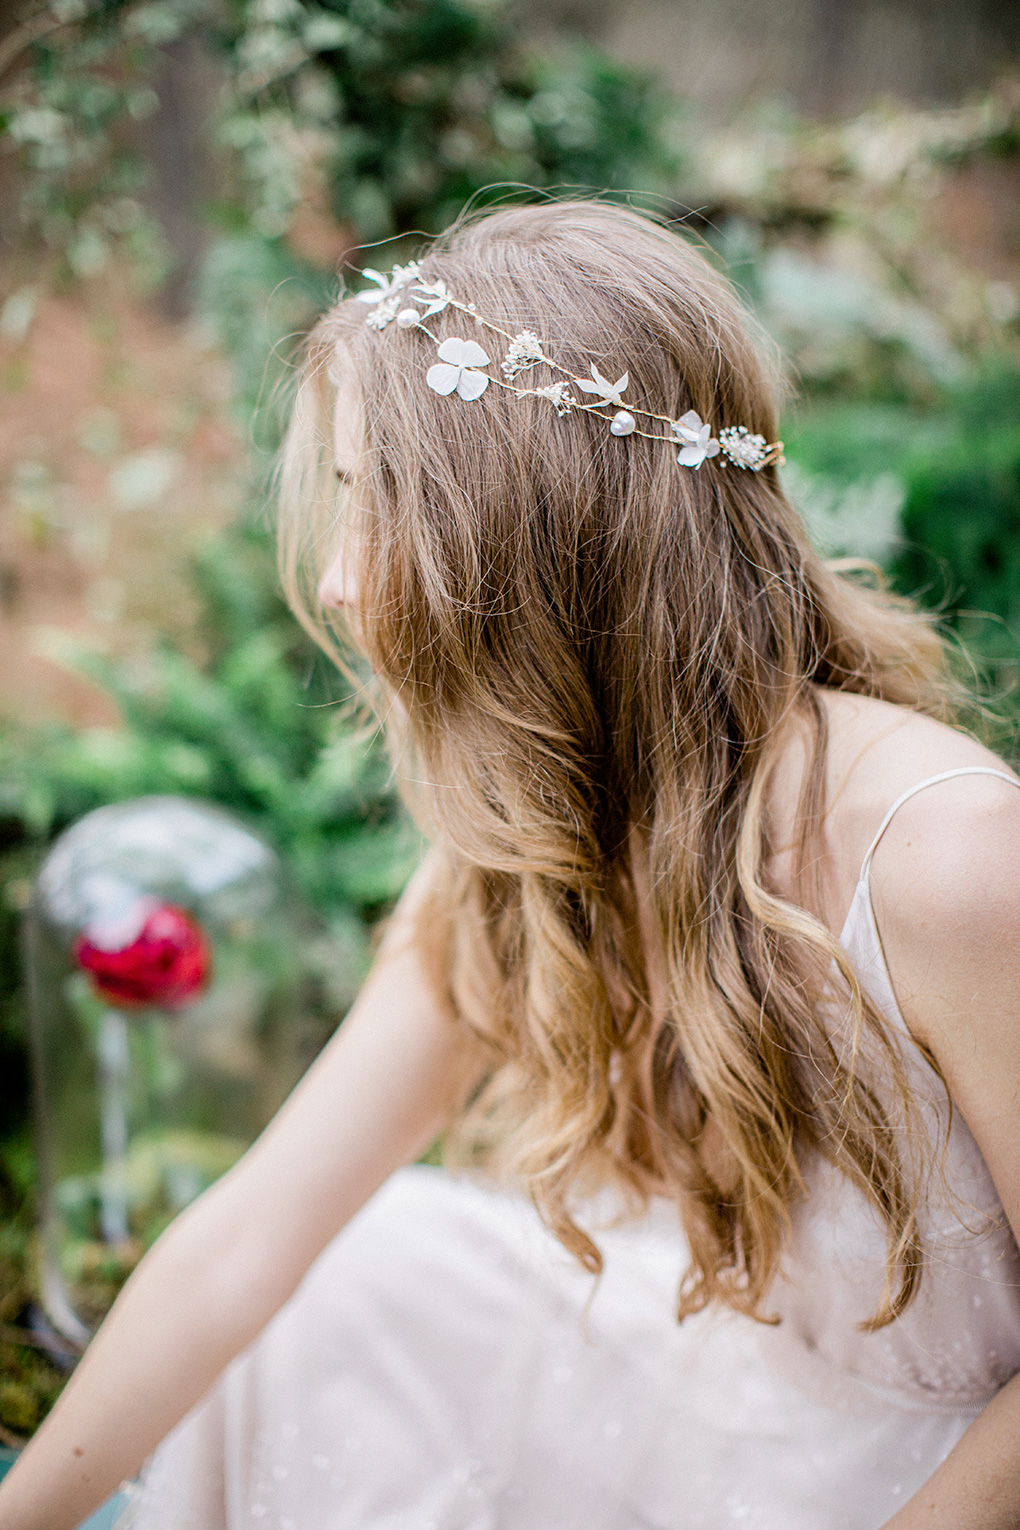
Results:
x,y
181,182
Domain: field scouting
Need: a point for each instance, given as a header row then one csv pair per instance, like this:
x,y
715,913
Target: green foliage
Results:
x,y
65,119
842,234
29,1380
962,516
390,113
256,726
956,543
410,109
257,296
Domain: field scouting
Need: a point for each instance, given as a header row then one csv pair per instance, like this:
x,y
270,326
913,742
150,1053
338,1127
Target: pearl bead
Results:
x,y
623,423
408,318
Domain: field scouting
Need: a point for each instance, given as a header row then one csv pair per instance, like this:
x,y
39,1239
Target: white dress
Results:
x,y
445,1365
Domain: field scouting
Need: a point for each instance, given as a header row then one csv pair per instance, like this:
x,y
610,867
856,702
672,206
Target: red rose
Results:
x,y
165,958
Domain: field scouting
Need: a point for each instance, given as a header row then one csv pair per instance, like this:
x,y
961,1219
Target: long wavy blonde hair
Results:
x,y
595,654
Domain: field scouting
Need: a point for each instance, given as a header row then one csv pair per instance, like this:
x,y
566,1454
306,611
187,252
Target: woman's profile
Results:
x,y
708,981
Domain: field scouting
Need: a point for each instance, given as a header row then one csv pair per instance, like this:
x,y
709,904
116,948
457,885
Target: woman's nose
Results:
x,y
335,586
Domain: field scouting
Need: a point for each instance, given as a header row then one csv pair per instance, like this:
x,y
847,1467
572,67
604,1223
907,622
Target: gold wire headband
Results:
x,y
459,362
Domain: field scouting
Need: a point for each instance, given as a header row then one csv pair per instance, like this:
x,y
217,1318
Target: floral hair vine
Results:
x,y
459,364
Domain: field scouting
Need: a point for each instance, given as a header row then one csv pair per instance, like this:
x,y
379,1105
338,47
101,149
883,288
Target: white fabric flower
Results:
x,y
399,278
454,369
435,297
609,393
697,440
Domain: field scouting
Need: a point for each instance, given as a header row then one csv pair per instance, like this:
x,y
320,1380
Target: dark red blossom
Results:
x,y
167,961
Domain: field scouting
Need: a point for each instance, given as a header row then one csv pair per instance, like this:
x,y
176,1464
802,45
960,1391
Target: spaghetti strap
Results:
x,y
945,775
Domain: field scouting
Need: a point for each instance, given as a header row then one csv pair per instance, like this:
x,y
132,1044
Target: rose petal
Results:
x,y
167,963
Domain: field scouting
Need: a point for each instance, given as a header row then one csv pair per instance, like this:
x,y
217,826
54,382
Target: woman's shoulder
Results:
x,y
876,754
879,753
945,877
945,886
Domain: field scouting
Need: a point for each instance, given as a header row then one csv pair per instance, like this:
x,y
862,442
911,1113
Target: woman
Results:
x,y
721,914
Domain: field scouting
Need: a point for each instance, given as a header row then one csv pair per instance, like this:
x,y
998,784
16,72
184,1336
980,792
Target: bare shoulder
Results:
x,y
953,843
949,843
879,752
945,887
945,878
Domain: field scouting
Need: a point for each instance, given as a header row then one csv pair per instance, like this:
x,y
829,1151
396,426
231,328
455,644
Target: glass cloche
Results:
x,y
163,948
